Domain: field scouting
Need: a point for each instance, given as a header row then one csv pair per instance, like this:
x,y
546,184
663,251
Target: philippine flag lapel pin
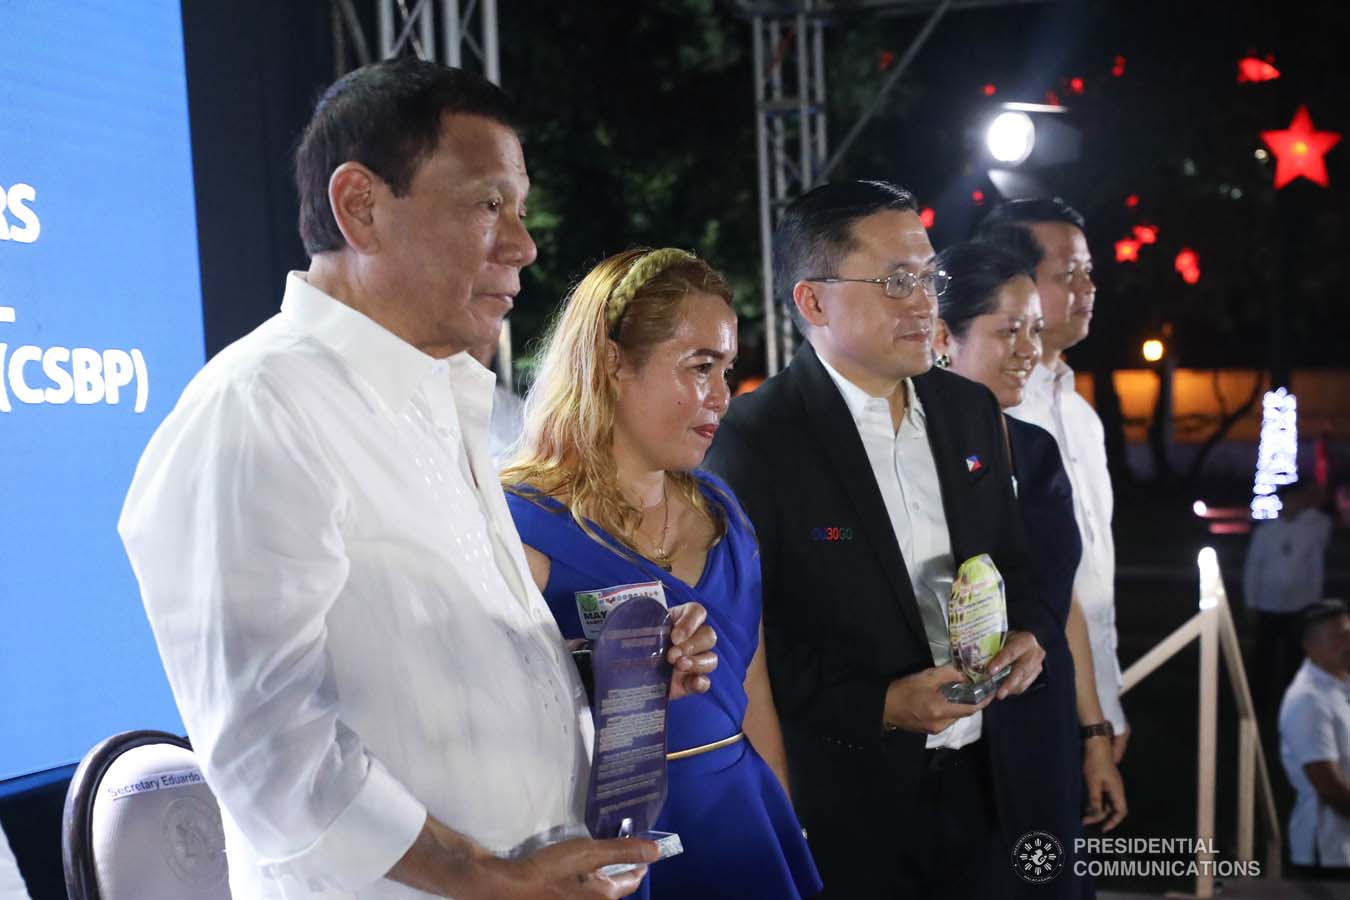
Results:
x,y
973,463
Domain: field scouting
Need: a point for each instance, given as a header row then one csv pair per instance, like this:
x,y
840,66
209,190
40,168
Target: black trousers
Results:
x,y
1279,653
945,843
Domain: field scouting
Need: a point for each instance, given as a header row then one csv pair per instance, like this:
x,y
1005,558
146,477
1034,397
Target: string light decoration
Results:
x,y
1277,454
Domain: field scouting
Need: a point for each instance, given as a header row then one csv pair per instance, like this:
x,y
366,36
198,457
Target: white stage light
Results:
x,y
1010,137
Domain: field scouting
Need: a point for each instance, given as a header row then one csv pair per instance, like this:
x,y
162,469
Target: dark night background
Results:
x,y
642,132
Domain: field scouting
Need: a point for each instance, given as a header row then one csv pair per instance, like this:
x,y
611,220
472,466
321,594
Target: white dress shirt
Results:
x,y
1315,727
11,881
902,463
1286,562
344,608
1051,402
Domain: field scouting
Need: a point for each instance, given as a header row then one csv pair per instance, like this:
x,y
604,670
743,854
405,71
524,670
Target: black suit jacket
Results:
x,y
840,616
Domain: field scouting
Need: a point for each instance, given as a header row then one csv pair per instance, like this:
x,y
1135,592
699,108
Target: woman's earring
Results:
x,y
943,361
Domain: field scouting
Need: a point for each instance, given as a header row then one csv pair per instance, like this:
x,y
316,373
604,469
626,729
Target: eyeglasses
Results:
x,y
899,285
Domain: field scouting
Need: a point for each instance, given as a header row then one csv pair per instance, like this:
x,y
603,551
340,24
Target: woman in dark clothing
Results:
x,y
989,331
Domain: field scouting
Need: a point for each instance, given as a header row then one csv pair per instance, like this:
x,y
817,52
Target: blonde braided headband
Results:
x,y
642,271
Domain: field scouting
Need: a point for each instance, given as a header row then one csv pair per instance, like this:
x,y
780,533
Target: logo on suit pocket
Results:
x,y
832,533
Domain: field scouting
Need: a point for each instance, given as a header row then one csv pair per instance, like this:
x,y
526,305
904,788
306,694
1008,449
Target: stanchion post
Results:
x,y
1208,749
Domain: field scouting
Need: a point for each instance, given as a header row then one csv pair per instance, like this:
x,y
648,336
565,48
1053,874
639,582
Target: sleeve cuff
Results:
x,y
364,842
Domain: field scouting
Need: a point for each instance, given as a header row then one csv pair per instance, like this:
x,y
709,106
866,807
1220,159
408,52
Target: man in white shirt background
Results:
x,y
1315,744
376,692
508,408
1283,575
1058,247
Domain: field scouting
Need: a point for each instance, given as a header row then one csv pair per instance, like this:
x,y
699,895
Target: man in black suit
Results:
x,y
869,478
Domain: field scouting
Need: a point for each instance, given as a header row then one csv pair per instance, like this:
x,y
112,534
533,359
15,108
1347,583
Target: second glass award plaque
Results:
x,y
977,625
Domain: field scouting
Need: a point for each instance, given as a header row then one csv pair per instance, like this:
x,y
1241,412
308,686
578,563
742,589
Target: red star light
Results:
x,y
1187,265
1127,250
978,197
1132,201
1146,234
990,89
927,217
1252,70
1118,67
1299,150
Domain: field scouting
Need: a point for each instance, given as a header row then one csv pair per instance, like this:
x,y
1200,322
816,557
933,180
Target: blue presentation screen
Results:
x,y
100,329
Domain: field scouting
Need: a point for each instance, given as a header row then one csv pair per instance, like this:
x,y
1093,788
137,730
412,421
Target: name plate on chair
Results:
x,y
155,783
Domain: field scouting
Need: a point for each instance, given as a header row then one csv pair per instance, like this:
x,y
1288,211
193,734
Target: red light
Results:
x,y
990,90
978,197
1187,265
1127,250
887,60
1132,201
927,216
1076,85
1252,70
1146,234
1052,98
1118,67
1299,150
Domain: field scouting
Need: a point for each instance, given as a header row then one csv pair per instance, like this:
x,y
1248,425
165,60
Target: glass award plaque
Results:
x,y
632,689
977,626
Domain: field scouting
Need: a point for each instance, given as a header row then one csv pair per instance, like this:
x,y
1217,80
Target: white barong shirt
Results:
x,y
344,609
1051,402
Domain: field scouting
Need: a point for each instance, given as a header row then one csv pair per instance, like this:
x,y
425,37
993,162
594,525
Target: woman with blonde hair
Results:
x,y
605,492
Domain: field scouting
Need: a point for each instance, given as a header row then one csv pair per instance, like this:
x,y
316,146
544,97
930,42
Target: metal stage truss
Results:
x,y
460,34
791,126
791,103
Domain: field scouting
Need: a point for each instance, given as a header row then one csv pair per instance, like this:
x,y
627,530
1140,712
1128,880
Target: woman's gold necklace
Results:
x,y
660,556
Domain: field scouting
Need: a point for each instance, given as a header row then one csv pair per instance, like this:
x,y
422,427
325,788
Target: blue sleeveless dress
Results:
x,y
741,838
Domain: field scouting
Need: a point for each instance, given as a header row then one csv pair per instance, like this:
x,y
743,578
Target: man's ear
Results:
x,y
808,304
351,195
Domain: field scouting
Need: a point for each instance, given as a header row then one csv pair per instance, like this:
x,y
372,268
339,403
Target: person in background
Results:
x,y
1282,575
1052,236
870,477
374,688
989,328
606,492
11,880
508,409
1315,744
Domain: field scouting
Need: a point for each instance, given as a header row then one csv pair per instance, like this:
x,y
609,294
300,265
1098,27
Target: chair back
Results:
x,y
141,824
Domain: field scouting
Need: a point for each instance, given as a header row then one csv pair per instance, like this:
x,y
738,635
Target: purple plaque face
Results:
x,y
632,684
